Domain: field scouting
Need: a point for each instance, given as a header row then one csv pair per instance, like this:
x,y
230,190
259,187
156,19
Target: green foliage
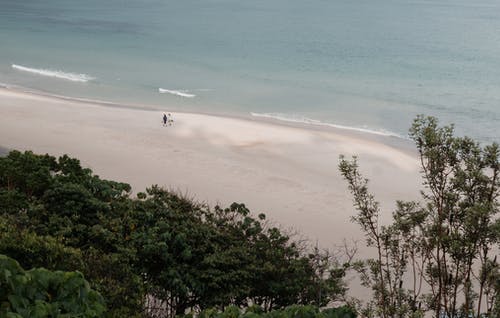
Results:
x,y
194,256
157,254
446,243
40,293
295,311
32,250
57,215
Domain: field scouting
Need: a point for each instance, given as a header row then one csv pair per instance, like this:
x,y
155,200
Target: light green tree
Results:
x,y
437,255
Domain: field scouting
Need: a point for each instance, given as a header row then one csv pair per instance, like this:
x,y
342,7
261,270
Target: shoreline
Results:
x,y
286,170
388,138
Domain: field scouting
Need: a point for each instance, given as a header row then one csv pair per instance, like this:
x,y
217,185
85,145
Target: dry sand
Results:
x,y
288,172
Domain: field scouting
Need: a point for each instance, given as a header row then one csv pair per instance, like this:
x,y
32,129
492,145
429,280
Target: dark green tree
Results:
x,y
60,216
171,241
194,258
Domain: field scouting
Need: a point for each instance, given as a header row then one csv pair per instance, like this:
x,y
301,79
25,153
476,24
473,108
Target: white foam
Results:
x,y
53,73
182,93
308,121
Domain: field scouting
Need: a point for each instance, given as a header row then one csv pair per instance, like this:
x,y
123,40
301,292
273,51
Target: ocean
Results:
x,y
356,64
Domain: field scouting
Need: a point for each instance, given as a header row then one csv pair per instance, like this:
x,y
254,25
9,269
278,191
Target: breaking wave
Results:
x,y
57,74
181,93
308,121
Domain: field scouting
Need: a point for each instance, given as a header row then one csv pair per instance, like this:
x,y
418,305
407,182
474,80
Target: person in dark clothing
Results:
x,y
164,120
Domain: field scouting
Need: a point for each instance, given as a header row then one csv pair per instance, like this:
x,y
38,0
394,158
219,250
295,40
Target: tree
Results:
x,y
195,258
58,215
444,243
171,241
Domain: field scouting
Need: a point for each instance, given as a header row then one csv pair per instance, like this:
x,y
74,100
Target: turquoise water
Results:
x,y
358,63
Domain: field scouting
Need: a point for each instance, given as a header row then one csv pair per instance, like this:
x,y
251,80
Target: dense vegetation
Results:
x,y
294,311
156,254
439,255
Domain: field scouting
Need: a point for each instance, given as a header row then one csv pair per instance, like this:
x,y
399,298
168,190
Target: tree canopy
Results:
x,y
156,253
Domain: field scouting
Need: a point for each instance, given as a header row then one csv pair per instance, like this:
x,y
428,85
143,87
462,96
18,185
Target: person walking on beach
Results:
x,y
170,120
165,119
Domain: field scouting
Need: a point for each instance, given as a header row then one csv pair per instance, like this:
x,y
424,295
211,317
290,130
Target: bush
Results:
x,y
40,293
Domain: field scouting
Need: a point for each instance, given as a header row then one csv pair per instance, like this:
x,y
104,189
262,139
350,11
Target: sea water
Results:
x,y
358,64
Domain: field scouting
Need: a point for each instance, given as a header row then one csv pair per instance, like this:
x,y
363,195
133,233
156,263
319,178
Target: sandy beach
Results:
x,y
288,172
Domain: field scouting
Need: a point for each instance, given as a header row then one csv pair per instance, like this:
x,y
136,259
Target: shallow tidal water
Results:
x,y
364,65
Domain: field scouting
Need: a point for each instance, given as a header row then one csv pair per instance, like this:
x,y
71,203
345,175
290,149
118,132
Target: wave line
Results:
x,y
181,93
74,77
308,121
